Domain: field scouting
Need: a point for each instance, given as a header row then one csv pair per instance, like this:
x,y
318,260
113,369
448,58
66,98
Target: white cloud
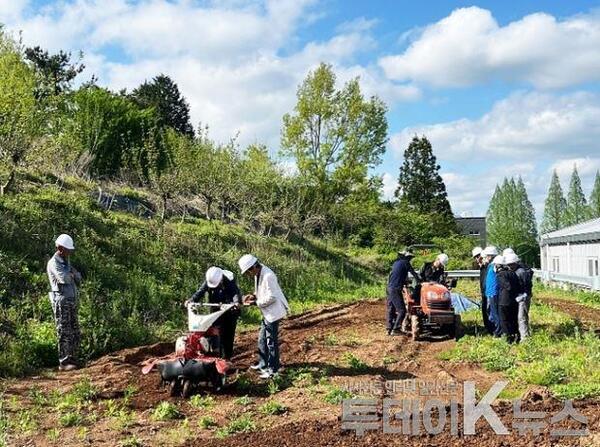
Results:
x,y
231,59
390,184
469,47
585,166
520,126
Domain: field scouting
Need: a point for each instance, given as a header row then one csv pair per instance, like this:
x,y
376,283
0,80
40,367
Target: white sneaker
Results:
x,y
257,367
266,374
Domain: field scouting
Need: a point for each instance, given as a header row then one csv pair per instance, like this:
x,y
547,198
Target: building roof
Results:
x,y
582,232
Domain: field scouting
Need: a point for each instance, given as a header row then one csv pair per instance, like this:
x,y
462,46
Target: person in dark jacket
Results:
x,y
525,275
509,288
435,271
396,308
221,288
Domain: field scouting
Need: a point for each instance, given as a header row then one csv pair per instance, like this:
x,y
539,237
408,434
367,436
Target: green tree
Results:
x,y
420,185
595,198
511,220
20,116
109,136
335,136
55,72
163,94
577,209
555,207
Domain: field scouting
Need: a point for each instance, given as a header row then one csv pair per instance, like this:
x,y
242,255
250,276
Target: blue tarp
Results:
x,y
461,303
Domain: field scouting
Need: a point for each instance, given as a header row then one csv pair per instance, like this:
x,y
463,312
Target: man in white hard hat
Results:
x,y
63,297
435,271
508,290
508,251
221,288
476,255
273,305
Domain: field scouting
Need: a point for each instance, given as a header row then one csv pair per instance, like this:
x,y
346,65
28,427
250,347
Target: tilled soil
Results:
x,y
589,317
319,340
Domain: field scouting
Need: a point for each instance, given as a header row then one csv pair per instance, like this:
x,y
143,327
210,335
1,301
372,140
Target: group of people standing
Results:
x,y
506,290
219,285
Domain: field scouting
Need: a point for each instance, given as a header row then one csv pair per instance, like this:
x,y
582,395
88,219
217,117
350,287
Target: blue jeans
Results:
x,y
494,314
268,345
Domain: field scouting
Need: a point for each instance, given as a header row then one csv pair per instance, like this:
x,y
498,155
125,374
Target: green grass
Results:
x,y
243,401
241,424
205,402
336,395
207,422
70,419
355,363
166,411
273,408
558,355
138,271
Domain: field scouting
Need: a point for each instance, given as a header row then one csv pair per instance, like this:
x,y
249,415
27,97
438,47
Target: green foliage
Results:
x,y
273,408
20,112
132,441
595,198
557,355
55,72
336,395
241,424
205,402
577,208
162,94
511,220
70,419
207,422
335,136
243,401
420,185
355,363
555,207
166,411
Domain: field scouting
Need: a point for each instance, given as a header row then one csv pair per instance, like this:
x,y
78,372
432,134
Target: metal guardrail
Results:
x,y
588,282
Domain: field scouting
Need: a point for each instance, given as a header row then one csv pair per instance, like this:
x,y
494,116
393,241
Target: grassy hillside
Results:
x,y
138,272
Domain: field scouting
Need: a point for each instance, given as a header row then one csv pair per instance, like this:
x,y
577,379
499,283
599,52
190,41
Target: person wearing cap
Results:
x,y
435,271
221,288
273,305
396,308
491,290
63,295
509,288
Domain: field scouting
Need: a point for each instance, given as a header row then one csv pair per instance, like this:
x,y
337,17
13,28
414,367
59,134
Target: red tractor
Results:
x,y
429,306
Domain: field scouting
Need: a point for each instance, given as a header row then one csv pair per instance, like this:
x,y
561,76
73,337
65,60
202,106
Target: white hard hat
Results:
x,y
490,251
228,274
246,262
511,258
477,251
508,251
66,241
443,258
498,260
214,275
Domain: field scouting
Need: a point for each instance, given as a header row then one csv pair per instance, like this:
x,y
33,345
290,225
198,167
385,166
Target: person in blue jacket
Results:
x,y
492,292
396,308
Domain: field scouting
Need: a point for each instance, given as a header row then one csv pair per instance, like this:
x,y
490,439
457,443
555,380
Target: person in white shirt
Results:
x,y
273,305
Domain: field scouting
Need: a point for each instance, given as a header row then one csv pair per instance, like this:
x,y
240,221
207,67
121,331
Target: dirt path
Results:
x,y
588,316
342,347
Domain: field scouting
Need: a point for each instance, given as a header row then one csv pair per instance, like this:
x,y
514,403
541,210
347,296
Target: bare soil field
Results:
x,y
325,352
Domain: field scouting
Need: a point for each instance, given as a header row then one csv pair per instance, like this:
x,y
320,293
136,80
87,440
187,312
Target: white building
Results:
x,y
572,254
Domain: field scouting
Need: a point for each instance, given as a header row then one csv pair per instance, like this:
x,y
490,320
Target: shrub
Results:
x,y
166,411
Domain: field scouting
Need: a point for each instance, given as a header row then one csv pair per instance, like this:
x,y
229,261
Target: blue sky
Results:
x,y
500,88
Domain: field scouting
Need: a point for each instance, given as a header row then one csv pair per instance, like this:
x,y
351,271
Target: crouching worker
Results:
x,y
273,305
435,271
63,297
222,289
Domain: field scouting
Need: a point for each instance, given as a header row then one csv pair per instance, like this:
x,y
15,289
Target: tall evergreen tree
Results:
x,y
511,220
55,72
595,198
420,185
164,95
577,209
555,207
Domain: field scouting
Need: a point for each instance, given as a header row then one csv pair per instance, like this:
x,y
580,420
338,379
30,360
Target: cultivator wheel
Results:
x,y
415,325
174,388
187,389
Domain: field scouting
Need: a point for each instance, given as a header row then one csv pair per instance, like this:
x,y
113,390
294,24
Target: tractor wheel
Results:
x,y
415,325
174,388
187,389
458,329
